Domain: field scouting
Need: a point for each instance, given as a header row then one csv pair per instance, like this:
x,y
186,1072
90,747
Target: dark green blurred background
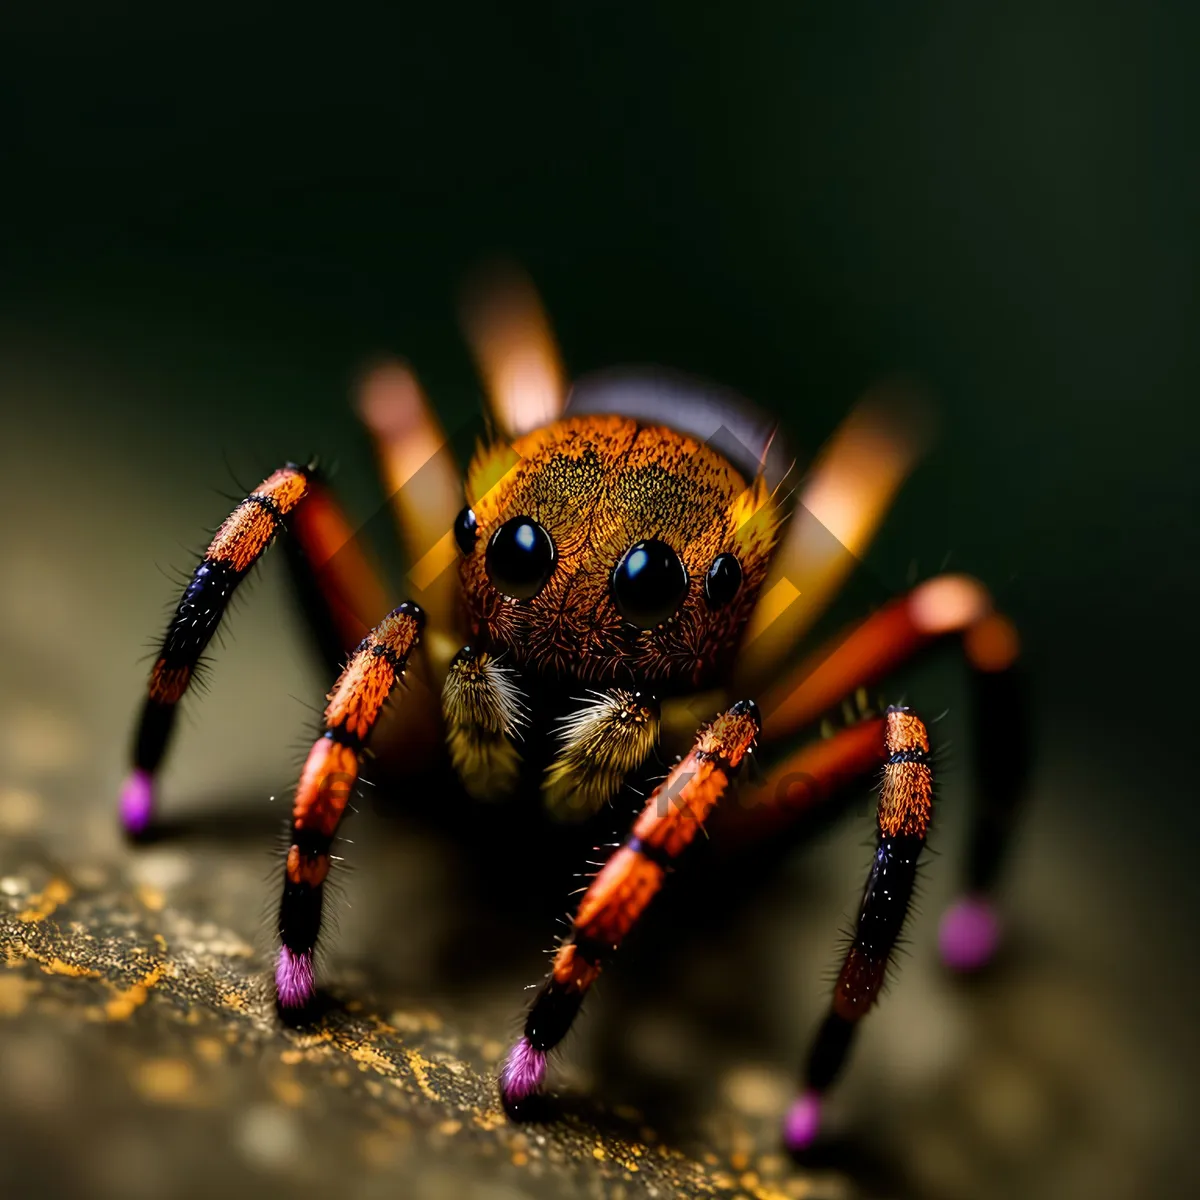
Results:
x,y
212,218
234,208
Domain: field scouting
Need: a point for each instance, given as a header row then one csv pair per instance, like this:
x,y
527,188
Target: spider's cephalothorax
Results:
x,y
606,563
629,584
595,540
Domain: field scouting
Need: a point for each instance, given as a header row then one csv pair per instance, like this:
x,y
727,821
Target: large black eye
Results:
x,y
722,581
649,583
465,529
520,558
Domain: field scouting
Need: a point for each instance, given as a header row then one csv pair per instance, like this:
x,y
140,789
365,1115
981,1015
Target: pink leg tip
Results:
x,y
522,1074
969,934
294,984
803,1122
137,801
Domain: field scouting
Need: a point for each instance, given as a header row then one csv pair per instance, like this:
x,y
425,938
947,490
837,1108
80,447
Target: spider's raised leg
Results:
x,y
515,351
944,606
326,784
624,887
341,593
237,546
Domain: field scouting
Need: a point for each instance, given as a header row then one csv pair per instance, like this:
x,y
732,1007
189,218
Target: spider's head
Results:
x,y
613,548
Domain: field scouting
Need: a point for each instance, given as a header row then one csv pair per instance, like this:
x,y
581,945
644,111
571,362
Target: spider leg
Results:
x,y
515,351
941,607
419,472
904,812
340,591
841,505
816,774
237,546
620,893
326,784
611,734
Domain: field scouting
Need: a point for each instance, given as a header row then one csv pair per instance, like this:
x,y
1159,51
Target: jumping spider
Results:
x,y
628,557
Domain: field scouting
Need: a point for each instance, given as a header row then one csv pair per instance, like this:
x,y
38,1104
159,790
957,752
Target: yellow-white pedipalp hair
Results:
x,y
485,712
608,736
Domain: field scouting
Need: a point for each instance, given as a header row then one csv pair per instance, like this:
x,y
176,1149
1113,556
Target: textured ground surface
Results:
x,y
156,1031
139,1054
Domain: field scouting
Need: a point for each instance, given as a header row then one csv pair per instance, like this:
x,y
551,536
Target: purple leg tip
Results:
x,y
294,984
137,801
803,1122
969,934
522,1074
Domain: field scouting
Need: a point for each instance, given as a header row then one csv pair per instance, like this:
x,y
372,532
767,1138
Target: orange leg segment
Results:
x,y
623,889
342,592
238,544
944,606
904,813
326,784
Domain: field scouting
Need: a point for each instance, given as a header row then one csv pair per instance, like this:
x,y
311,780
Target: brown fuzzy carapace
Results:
x,y
598,485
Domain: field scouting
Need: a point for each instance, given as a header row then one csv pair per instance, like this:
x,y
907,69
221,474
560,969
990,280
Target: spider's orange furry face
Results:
x,y
612,551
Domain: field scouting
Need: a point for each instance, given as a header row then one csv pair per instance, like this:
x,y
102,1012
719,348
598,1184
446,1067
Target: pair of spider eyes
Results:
x,y
648,584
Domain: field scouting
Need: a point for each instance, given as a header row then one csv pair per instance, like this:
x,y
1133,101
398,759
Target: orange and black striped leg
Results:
x,y
325,787
620,893
905,811
946,606
246,533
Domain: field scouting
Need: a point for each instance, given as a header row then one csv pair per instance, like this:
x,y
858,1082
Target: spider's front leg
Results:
x,y
346,600
237,546
326,784
620,893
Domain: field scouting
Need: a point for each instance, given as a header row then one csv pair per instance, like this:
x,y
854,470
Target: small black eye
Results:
x,y
520,558
649,583
465,529
722,581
